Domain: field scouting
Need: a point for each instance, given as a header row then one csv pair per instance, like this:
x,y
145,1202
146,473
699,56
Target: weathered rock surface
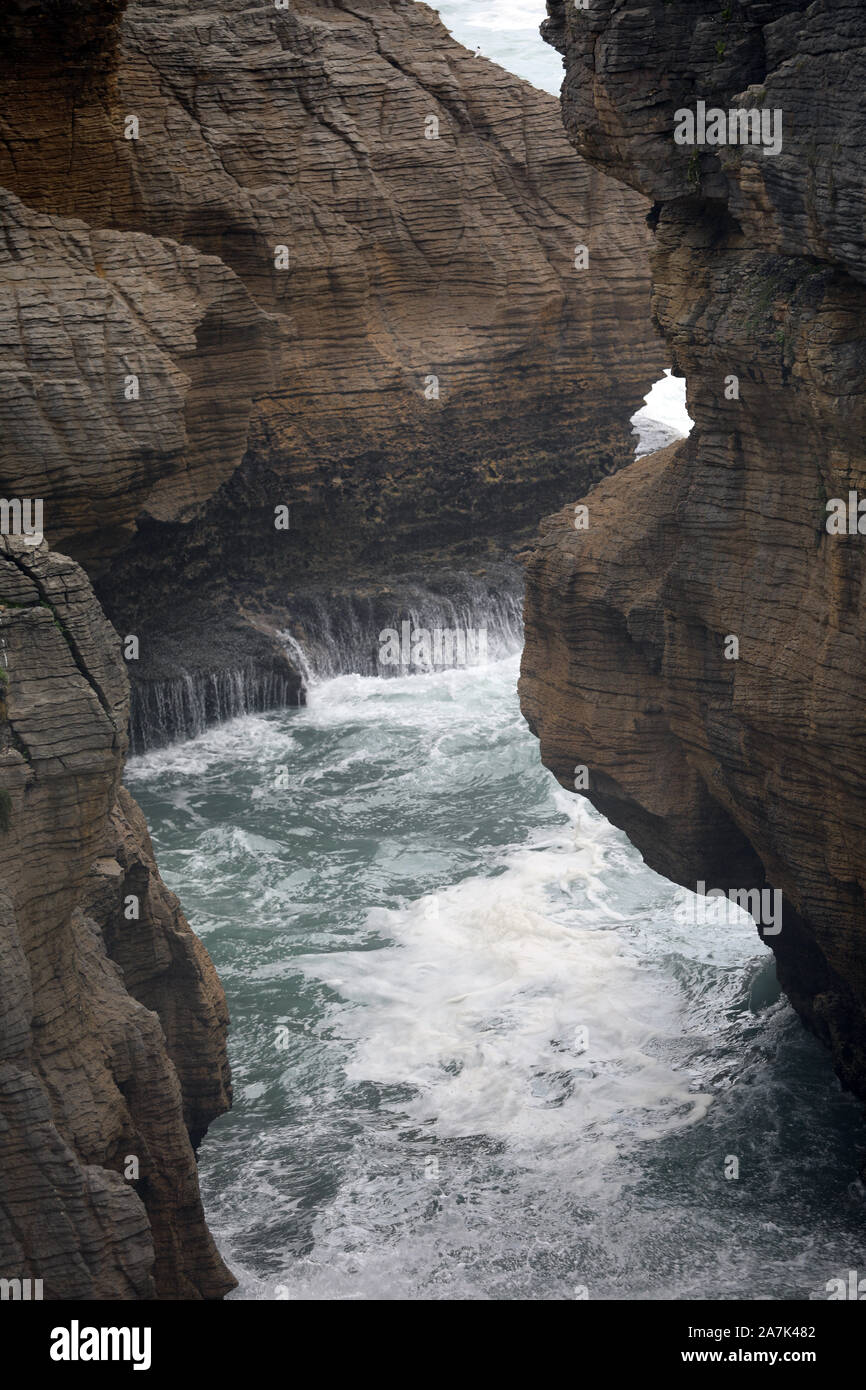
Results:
x,y
409,258
84,312
112,1027
165,384
750,771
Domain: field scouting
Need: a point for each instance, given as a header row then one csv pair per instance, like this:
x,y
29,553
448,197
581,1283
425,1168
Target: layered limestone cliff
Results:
x,y
739,765
334,269
314,264
112,1020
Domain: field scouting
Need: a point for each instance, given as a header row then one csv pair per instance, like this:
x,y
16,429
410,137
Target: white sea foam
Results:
x,y
435,922
664,418
481,1004
507,33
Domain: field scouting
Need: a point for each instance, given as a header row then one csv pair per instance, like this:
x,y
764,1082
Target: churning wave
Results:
x,y
332,635
345,637
478,1052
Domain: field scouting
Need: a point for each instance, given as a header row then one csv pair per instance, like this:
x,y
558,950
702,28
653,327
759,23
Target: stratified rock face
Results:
x,y
737,772
112,1020
320,260
353,290
127,371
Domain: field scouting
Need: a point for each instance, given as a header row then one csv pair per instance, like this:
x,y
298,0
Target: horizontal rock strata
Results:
x,y
417,375
735,772
318,267
112,1020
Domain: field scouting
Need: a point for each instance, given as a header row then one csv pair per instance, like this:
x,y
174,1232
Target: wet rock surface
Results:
x,y
736,772
112,1020
339,260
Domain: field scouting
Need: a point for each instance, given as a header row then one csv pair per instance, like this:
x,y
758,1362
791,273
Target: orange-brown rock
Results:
x,y
112,1020
320,257
748,771
429,373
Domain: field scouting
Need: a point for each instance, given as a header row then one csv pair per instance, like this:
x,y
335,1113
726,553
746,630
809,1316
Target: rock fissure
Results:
x,y
757,289
428,374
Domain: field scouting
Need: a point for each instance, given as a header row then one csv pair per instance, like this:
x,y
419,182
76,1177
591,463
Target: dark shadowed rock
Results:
x,y
112,1030
428,375
281,293
749,771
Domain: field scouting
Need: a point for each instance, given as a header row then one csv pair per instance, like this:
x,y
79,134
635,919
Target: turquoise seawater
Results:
x,y
478,1051
507,32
